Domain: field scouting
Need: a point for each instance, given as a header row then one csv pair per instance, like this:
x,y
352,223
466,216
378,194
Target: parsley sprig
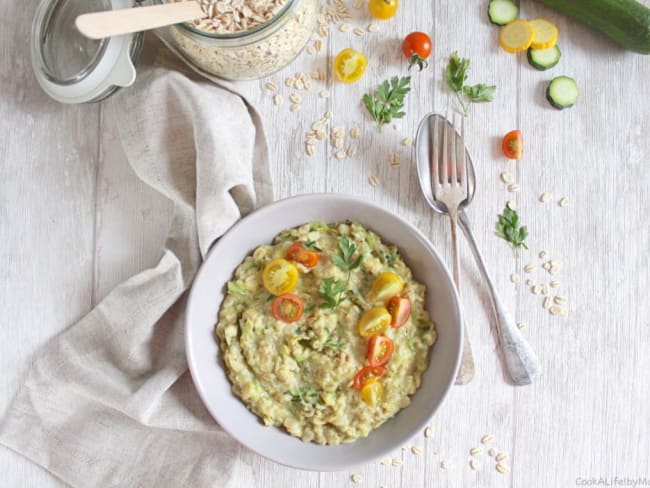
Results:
x,y
333,291
456,74
387,102
510,229
310,246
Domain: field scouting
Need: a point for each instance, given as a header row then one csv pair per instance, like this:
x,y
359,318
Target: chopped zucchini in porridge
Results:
x,y
324,333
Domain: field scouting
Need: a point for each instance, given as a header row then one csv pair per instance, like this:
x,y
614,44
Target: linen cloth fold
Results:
x,y
109,402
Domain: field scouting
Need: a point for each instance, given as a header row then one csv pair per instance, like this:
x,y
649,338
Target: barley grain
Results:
x,y
545,197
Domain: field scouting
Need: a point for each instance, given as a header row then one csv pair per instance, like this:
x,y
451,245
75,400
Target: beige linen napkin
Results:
x,y
109,402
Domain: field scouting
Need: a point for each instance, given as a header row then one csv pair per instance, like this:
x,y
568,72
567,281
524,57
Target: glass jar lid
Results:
x,y
72,68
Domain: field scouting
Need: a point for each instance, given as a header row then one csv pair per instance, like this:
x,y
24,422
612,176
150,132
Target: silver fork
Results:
x,y
450,187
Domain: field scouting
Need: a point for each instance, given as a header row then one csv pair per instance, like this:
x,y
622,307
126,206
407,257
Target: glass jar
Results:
x,y
73,69
247,54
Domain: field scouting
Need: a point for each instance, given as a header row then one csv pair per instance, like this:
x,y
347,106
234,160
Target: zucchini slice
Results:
x,y
543,59
562,92
500,12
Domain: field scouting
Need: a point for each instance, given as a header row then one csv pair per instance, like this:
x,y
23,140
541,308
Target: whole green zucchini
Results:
x,y
626,22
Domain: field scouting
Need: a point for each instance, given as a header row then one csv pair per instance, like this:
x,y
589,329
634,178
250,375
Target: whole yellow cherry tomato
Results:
x,y
350,65
372,392
382,9
386,286
280,277
374,321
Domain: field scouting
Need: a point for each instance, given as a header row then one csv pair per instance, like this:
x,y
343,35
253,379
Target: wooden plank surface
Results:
x,y
75,221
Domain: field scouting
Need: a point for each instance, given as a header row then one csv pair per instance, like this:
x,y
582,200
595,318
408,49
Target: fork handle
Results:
x,y
466,369
520,359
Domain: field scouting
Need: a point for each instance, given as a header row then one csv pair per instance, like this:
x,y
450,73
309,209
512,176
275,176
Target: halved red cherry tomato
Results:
x,y
380,349
299,254
417,48
287,308
513,145
366,374
400,311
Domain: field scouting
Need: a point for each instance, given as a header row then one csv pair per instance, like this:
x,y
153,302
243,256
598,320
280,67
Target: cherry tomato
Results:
x,y
380,349
366,374
299,254
287,308
513,145
372,392
382,9
417,48
280,276
374,321
386,285
400,311
350,65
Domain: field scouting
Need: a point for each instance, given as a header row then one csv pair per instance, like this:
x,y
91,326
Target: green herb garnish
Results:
x,y
509,229
387,102
345,260
333,292
331,343
456,74
237,289
306,396
311,246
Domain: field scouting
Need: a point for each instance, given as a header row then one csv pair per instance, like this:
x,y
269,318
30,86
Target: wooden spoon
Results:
x,y
98,25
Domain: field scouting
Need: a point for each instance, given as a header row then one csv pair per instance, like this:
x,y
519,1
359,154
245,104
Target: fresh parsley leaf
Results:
x,y
311,246
479,93
387,101
509,229
345,260
456,72
309,309
332,291
237,289
456,75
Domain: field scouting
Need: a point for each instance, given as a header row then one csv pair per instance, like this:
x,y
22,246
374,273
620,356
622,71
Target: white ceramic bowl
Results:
x,y
208,291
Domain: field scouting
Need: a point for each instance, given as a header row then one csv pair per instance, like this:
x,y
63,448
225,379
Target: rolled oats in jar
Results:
x,y
245,39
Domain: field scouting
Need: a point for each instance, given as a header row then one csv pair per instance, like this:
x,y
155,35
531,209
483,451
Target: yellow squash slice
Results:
x,y
545,34
516,36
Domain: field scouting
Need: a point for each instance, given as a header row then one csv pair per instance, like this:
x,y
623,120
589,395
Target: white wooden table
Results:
x,y
75,221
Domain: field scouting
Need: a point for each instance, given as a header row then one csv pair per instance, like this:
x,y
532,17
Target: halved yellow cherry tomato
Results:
x,y
382,9
350,65
372,392
386,286
280,276
374,321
